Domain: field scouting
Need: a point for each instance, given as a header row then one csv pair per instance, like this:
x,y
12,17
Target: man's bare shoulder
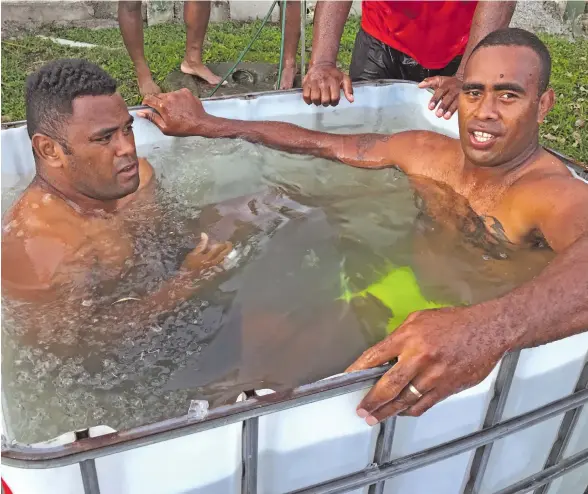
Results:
x,y
39,234
435,155
551,199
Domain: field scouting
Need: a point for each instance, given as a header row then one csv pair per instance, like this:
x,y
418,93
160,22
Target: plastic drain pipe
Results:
x,y
248,47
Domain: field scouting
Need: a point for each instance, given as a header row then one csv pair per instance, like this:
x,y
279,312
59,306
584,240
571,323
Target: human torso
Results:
x,y
431,32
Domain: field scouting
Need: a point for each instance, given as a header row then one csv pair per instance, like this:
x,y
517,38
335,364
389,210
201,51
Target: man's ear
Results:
x,y
48,149
546,102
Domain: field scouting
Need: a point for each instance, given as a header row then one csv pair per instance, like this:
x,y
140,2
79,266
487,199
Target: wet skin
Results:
x,y
519,192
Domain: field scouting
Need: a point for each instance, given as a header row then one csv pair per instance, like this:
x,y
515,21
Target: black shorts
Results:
x,y
374,60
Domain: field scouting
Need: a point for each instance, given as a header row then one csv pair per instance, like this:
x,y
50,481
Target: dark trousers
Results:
x,y
372,60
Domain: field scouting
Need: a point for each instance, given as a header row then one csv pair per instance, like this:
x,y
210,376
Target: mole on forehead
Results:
x,y
501,76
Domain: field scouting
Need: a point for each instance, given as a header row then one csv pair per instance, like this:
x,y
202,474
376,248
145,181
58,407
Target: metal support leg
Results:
x,y
493,417
383,452
250,450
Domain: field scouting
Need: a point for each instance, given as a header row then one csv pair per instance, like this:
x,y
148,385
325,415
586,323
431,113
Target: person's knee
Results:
x,y
131,7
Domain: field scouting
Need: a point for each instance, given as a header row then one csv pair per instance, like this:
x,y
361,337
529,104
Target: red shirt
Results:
x,y
431,32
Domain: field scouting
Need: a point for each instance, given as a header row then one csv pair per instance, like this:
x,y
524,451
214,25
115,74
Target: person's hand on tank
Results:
x,y
445,97
439,352
323,83
178,114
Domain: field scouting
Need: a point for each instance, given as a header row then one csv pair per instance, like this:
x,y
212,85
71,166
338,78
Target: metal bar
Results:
x,y
89,477
565,432
411,462
547,475
302,39
250,450
493,416
20,456
88,468
383,451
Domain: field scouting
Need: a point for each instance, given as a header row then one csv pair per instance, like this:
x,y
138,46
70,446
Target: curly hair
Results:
x,y
51,90
512,36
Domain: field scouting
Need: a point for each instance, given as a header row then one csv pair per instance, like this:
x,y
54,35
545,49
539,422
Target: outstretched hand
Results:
x,y
177,114
440,352
447,90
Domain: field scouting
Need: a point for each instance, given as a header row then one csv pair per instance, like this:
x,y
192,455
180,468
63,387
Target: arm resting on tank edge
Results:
x,y
552,306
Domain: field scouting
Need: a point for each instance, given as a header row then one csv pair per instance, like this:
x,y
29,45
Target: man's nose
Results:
x,y
126,145
487,108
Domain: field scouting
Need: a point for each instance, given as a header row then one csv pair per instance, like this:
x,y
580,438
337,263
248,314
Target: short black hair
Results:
x,y
51,90
512,36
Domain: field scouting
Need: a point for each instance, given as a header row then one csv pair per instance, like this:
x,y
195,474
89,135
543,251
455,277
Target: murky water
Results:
x,y
304,230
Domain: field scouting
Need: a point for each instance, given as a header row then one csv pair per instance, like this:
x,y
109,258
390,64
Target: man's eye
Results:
x,y
128,129
473,93
104,139
508,96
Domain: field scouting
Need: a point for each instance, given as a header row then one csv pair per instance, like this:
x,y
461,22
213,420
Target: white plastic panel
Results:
x,y
313,443
458,415
317,442
543,374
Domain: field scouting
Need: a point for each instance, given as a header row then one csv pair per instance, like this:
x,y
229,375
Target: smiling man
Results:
x,y
518,195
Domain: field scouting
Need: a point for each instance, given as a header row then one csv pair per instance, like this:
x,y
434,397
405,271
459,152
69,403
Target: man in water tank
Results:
x,y
522,197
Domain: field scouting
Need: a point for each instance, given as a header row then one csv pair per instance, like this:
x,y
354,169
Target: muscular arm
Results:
x,y
489,16
552,306
329,21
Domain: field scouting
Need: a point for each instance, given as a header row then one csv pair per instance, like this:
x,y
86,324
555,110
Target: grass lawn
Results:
x,y
565,129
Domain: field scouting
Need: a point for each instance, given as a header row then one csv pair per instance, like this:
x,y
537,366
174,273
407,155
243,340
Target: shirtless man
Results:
x,y
71,229
522,196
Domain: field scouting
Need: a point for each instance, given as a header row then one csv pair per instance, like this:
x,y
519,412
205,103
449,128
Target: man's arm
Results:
x,y
29,280
181,114
441,352
489,16
322,85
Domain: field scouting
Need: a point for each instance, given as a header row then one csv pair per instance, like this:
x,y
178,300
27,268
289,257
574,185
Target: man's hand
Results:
x,y
205,256
446,92
178,114
440,352
323,83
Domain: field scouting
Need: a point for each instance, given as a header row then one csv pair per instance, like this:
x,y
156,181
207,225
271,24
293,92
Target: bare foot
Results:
x,y
288,76
147,86
202,71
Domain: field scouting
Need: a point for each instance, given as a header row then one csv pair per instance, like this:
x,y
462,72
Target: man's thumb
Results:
x,y
348,88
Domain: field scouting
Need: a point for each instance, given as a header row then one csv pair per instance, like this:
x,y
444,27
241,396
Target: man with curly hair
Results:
x,y
71,224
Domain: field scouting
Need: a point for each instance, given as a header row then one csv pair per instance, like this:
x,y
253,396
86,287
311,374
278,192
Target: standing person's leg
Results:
x,y
131,28
292,37
196,16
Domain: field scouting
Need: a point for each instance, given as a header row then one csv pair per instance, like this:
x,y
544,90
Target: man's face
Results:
x,y
500,107
102,160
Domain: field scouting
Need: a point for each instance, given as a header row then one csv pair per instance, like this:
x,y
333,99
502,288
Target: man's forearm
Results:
x,y
489,16
552,306
329,21
279,135
359,150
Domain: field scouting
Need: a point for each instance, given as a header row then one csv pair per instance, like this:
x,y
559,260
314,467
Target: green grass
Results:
x,y
164,49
